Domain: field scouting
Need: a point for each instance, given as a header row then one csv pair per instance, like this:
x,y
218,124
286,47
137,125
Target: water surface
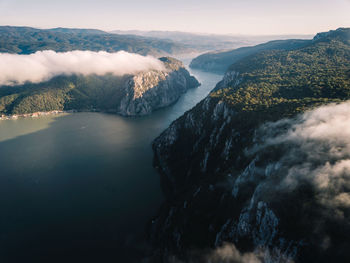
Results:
x,y
81,187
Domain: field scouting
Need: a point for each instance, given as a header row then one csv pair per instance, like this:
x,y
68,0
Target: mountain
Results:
x,y
80,31
260,165
26,40
206,42
219,61
129,95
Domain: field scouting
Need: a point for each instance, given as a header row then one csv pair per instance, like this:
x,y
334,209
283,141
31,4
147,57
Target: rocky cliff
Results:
x,y
233,169
128,95
148,91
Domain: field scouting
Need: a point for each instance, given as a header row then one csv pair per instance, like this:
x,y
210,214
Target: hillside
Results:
x,y
26,40
219,61
246,166
199,42
209,42
129,95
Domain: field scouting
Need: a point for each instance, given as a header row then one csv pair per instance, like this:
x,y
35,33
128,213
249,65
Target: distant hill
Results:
x,y
26,40
77,30
209,42
221,60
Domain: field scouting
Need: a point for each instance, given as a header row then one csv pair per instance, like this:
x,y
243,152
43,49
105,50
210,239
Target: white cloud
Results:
x,y
316,150
43,65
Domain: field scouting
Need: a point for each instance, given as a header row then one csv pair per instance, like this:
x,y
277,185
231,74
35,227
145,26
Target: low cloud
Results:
x,y
306,163
43,65
316,150
300,168
227,253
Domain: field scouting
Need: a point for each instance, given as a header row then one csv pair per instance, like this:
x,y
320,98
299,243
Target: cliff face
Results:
x,y
222,185
128,95
213,187
152,90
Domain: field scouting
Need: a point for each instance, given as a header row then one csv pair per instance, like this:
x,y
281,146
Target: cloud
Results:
x,y
43,65
316,148
227,253
311,157
302,171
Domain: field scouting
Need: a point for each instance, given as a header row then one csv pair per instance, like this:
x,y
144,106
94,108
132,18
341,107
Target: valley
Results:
x,y
112,148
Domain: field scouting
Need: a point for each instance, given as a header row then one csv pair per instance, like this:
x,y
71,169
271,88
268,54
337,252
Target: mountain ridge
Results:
x,y
27,40
214,181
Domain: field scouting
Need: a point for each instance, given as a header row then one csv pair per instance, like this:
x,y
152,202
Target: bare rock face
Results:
x,y
148,91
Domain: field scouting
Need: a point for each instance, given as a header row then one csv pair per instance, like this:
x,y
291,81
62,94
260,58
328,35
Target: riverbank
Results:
x,y
33,115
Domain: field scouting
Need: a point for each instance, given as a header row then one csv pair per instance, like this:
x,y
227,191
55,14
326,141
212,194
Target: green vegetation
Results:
x,y
64,93
287,82
26,40
220,61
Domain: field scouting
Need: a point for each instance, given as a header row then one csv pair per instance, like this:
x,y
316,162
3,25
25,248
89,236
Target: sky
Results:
x,y
245,17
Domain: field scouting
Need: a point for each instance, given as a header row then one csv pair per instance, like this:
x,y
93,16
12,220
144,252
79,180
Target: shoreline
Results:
x,y
34,114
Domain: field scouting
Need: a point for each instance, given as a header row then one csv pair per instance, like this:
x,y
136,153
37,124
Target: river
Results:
x,y
81,187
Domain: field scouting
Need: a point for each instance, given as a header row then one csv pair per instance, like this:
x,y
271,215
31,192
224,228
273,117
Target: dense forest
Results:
x,y
219,61
288,82
63,93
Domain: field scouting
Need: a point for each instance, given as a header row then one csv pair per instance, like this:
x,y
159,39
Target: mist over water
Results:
x,y
81,187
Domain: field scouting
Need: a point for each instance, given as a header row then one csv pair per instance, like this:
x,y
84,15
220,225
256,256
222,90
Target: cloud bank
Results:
x,y
44,65
316,150
303,172
227,253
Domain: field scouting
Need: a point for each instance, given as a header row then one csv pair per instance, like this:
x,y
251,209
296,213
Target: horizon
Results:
x,y
169,31
248,18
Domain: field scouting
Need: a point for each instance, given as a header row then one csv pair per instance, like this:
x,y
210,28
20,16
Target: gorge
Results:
x,y
253,165
89,176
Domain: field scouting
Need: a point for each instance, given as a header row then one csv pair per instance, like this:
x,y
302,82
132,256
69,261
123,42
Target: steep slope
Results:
x,y
224,168
26,40
219,61
129,95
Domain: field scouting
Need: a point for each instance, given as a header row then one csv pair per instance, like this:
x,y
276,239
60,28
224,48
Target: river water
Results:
x,y
81,187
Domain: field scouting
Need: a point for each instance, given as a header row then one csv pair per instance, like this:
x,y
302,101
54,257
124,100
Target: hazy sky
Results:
x,y
220,16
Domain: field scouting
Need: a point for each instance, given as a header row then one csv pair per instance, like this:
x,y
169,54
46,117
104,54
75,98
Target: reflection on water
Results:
x,y
81,186
10,129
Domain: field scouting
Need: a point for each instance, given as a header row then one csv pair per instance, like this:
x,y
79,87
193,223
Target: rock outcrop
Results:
x,y
148,91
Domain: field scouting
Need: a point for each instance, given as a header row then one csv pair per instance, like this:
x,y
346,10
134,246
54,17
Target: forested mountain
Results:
x,y
260,163
129,95
219,61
